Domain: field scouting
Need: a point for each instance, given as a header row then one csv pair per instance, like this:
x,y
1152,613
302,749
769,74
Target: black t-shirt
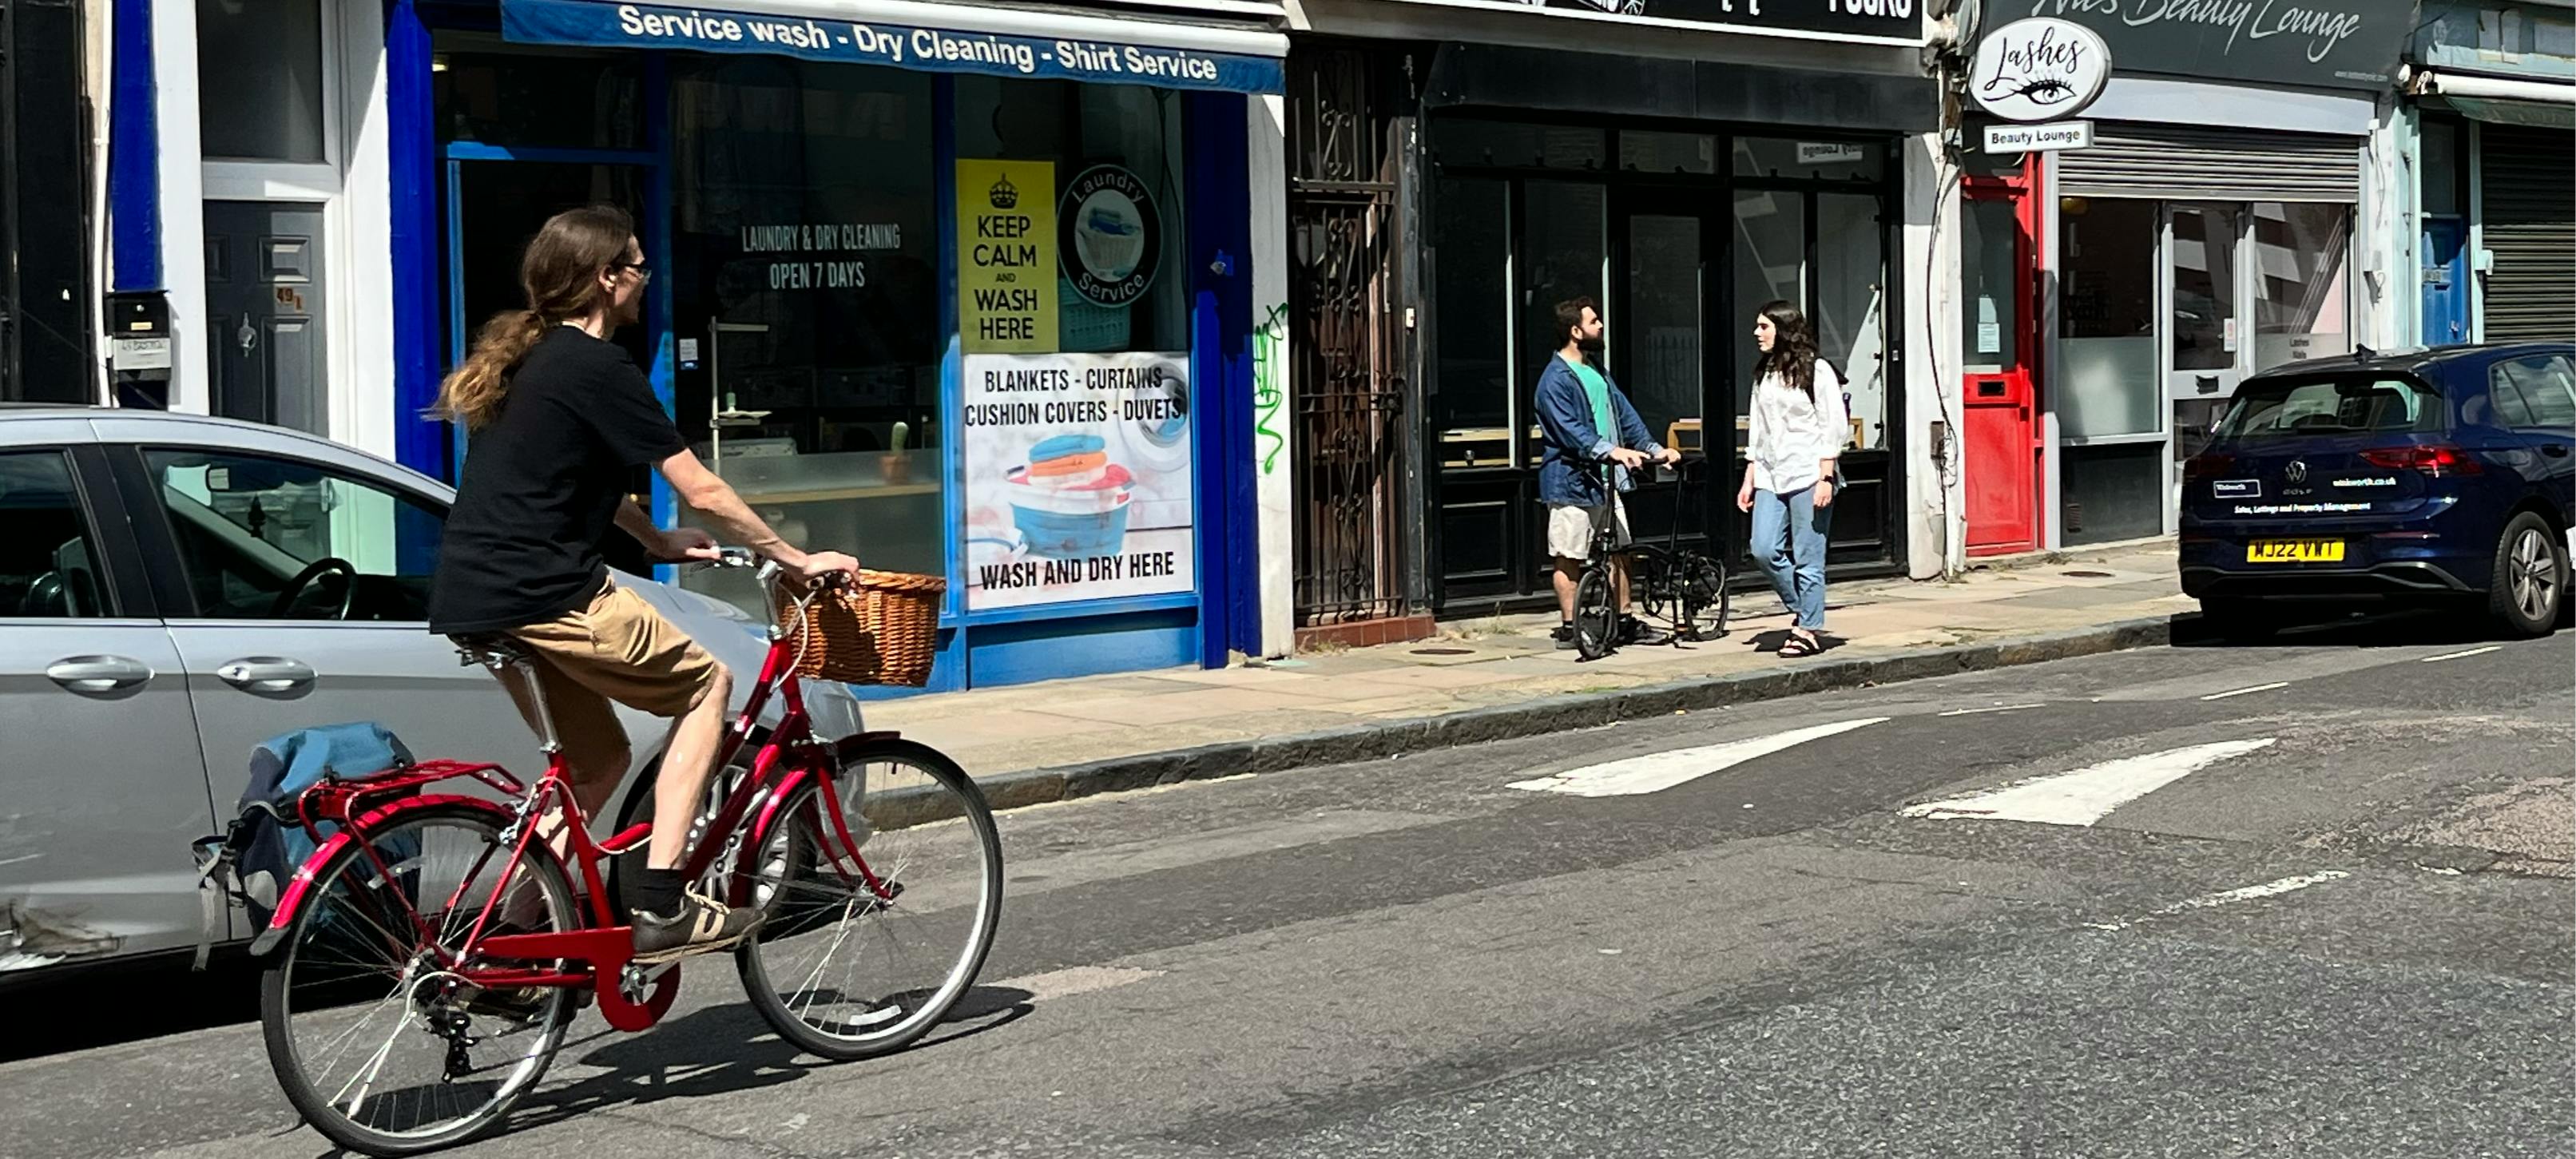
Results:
x,y
542,484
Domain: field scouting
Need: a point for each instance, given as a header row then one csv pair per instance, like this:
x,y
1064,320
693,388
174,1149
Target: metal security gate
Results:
x,y
1346,386
2529,222
2182,164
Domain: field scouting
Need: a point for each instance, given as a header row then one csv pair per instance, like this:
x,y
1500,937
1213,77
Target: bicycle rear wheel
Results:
x,y
375,1039
1704,602
866,949
1596,614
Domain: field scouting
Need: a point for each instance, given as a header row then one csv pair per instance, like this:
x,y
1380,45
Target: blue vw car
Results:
x,y
2434,476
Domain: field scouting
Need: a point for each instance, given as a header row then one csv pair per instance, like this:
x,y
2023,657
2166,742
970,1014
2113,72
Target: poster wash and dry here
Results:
x,y
1078,481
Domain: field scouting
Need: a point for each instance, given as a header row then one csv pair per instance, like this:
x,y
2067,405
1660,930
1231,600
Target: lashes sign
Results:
x,y
2039,69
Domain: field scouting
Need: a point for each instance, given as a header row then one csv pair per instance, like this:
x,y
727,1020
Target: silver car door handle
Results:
x,y
265,674
98,673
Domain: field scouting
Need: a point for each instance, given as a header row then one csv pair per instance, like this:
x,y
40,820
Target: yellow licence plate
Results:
x,y
2294,551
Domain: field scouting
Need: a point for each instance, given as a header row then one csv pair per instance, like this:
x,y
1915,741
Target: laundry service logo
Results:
x,y
1111,236
2039,69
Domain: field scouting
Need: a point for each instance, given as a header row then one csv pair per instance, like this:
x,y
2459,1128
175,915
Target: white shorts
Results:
x,y
1570,528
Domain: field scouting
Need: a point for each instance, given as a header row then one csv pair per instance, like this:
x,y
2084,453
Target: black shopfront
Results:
x,y
1681,195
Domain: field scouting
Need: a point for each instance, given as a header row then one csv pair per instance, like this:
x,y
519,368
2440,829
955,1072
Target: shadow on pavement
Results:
x,y
2346,626
108,1012
720,1050
1771,641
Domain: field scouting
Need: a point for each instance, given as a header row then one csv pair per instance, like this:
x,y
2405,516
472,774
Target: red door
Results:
x,y
1999,432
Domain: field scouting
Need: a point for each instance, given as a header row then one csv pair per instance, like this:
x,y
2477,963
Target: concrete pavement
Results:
x,y
2350,940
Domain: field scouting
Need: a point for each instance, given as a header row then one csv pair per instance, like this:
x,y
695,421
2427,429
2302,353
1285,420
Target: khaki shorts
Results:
x,y
617,648
1570,529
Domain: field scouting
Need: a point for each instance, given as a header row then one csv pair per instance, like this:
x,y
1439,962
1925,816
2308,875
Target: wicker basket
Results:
x,y
883,630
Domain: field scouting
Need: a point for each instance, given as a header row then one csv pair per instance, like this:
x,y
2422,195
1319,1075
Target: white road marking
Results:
x,y
2462,655
1656,772
2243,691
1072,980
2232,896
1997,708
2088,794
1045,872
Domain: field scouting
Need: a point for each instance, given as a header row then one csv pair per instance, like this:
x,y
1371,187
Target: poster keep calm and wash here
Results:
x,y
1078,465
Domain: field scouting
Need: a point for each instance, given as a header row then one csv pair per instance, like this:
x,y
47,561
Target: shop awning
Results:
x,y
2501,100
1032,43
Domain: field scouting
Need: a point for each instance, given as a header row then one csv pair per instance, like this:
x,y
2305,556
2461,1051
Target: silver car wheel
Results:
x,y
2535,575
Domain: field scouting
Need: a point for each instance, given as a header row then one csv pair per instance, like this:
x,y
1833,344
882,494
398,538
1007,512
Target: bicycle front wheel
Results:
x,y
375,1038
1596,614
880,910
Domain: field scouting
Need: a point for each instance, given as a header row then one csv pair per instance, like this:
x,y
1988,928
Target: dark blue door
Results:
x,y
2446,281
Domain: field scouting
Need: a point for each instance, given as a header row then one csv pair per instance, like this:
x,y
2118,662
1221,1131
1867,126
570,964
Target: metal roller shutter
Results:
x,y
2528,216
2182,164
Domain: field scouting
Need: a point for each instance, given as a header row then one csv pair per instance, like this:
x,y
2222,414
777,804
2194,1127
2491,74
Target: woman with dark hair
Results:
x,y
1798,431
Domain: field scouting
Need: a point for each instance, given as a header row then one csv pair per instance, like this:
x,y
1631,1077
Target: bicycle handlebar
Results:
x,y
770,572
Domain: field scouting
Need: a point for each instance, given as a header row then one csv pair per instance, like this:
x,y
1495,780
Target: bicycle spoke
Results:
x,y
436,1058
339,1047
889,965
374,1065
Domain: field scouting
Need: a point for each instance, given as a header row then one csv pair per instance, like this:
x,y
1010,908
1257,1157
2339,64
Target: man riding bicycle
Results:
x,y
558,418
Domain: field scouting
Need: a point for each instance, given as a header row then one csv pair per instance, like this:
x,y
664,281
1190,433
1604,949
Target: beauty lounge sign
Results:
x,y
2352,44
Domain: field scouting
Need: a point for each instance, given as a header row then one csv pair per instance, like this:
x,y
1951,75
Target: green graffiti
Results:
x,y
1267,398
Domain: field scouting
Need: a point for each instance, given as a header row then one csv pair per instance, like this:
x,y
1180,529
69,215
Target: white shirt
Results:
x,y
1792,436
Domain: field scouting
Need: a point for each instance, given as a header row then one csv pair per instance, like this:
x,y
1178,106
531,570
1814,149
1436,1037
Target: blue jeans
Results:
x,y
1789,547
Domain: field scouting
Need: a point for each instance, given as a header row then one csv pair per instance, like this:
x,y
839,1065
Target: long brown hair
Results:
x,y
1793,348
560,275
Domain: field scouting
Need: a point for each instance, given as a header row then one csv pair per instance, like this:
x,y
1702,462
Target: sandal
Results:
x,y
1796,646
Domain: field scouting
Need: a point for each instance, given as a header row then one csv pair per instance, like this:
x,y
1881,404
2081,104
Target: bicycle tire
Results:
x,y
280,986
787,880
1596,615
1702,580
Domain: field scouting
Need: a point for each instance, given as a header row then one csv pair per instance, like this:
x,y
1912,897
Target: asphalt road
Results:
x,y
2349,935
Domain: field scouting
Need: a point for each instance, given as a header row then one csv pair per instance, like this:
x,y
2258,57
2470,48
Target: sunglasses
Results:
x,y
643,273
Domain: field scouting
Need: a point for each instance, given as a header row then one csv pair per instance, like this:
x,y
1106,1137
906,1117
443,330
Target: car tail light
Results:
x,y
2431,460
2207,465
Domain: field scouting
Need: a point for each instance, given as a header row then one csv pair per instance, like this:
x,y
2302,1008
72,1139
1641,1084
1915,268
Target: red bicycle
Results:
x,y
427,958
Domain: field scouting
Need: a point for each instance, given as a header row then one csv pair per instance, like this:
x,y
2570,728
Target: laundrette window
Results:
x,y
805,298
1128,135
493,92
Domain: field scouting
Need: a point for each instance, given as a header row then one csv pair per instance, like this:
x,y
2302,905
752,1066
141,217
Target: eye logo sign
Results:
x,y
2039,69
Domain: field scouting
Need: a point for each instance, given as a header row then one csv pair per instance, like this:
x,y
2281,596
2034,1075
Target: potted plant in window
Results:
x,y
896,463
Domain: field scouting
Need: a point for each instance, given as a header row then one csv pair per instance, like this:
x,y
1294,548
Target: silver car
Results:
x,y
175,590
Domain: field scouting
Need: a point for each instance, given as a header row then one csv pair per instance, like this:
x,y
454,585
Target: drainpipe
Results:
x,y
1954,24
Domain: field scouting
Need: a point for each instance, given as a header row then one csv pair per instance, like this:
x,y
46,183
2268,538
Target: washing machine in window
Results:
x,y
1157,453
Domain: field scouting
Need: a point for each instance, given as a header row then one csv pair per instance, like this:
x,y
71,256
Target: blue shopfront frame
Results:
x,y
978,648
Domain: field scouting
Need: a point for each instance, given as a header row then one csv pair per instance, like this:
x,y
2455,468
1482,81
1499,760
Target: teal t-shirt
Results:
x,y
1597,390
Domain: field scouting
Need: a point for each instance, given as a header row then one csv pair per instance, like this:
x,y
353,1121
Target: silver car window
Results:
x,y
249,526
48,561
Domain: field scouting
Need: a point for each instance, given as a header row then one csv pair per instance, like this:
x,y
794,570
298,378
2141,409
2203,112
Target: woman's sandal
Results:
x,y
1796,646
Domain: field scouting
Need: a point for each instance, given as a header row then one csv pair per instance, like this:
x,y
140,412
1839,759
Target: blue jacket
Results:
x,y
1569,466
